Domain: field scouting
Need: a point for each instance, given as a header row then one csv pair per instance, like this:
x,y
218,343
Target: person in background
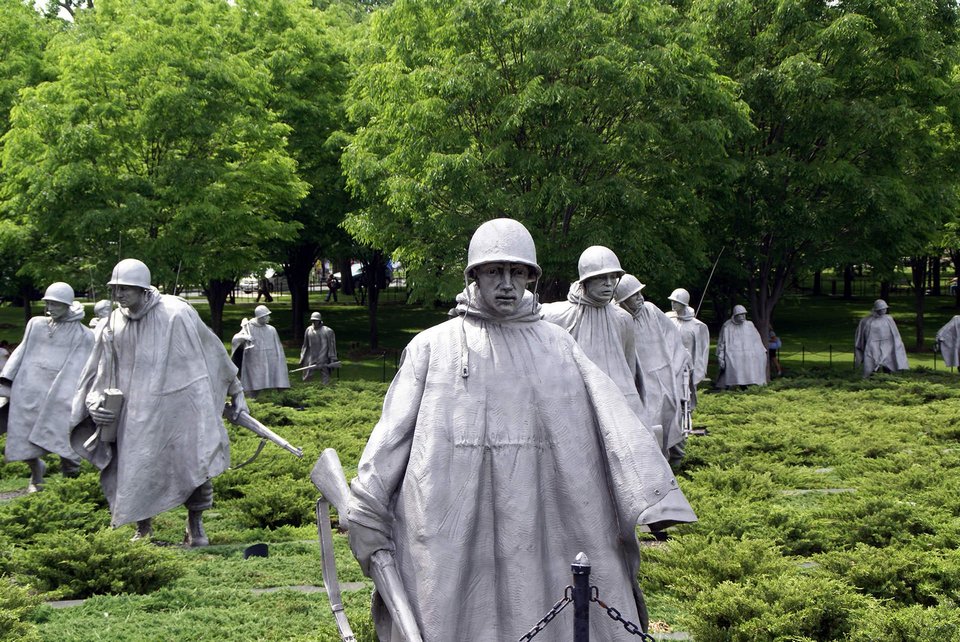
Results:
x,y
773,346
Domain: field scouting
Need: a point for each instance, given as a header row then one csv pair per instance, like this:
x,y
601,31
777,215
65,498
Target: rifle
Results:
x,y
686,415
331,364
246,420
327,475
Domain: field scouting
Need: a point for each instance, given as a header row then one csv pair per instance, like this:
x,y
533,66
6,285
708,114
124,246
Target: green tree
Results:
x,y
591,122
155,141
24,35
851,157
303,50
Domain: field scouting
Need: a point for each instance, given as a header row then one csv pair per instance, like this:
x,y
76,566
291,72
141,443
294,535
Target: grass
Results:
x,y
829,508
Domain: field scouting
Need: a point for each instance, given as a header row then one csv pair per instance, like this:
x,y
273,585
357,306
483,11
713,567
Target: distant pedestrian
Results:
x,y
263,289
773,346
333,284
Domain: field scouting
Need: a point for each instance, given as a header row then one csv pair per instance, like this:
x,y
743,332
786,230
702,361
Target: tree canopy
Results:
x,y
591,122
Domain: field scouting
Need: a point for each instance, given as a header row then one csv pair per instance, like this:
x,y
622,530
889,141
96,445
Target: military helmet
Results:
x,y
60,292
261,311
102,308
628,286
680,295
739,309
315,317
130,272
597,260
502,240
880,304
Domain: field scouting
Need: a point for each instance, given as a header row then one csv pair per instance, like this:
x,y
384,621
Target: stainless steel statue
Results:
x,y
695,336
741,353
948,342
149,405
257,351
662,362
40,379
101,310
501,449
877,345
319,351
603,330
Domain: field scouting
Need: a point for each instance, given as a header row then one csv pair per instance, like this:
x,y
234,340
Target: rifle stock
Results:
x,y
328,476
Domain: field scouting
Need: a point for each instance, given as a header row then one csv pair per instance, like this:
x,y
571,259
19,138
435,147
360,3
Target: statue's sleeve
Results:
x,y
332,346
384,459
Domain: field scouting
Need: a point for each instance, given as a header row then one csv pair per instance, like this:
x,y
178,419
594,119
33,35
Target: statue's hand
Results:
x,y
239,404
364,542
102,416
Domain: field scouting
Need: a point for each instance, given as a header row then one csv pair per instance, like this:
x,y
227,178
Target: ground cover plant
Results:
x,y
829,510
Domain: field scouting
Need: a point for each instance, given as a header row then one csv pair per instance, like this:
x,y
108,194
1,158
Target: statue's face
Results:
x,y
317,323
502,285
739,318
881,311
56,310
129,296
676,306
633,302
264,320
601,287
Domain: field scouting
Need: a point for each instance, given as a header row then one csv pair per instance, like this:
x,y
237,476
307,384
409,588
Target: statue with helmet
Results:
x,y
662,363
741,353
40,378
877,345
257,351
603,330
101,310
948,342
319,351
695,336
149,404
501,451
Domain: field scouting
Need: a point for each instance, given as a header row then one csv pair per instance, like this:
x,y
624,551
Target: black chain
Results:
x,y
614,614
552,613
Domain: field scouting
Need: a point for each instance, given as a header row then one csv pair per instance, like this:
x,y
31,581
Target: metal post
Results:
x,y
581,598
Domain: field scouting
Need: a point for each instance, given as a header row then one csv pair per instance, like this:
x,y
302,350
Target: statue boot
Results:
x,y
37,468
195,535
144,529
69,468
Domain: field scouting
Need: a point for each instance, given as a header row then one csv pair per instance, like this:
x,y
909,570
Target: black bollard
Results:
x,y
581,598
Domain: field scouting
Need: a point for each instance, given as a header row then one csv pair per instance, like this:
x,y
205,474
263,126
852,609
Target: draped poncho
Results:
x,y
174,374
45,369
695,336
661,360
743,353
490,484
948,338
878,344
264,363
604,332
319,347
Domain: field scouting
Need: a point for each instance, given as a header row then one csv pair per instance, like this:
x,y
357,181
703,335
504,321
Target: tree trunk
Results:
x,y
817,285
848,282
935,274
297,268
27,312
885,289
217,291
374,279
919,266
346,278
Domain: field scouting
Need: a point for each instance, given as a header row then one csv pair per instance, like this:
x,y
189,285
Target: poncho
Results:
x,y
45,369
604,332
695,336
743,353
319,347
174,374
661,359
948,338
264,363
489,485
877,344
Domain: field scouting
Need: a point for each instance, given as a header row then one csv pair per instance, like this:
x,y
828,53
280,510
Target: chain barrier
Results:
x,y
615,615
552,613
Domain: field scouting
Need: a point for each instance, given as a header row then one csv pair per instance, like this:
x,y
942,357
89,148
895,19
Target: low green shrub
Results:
x,y
63,505
277,501
77,565
910,624
17,605
797,607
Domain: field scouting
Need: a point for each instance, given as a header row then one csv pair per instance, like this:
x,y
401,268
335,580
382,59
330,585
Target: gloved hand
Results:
x,y
239,404
365,541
